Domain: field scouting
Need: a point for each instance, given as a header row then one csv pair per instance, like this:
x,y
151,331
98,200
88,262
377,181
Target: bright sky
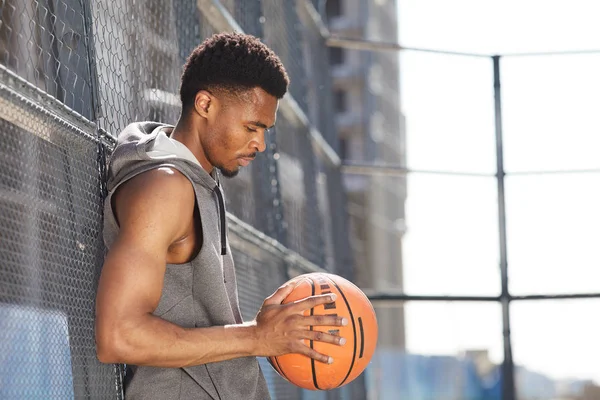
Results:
x,y
550,107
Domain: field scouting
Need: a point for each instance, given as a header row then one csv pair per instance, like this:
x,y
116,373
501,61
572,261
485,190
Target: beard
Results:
x,y
227,173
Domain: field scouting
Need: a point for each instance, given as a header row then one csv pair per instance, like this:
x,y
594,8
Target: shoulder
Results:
x,y
165,183
161,196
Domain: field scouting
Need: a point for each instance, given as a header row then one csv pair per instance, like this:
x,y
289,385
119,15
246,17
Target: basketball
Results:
x,y
349,360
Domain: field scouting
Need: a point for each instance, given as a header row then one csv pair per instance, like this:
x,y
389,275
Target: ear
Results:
x,y
203,102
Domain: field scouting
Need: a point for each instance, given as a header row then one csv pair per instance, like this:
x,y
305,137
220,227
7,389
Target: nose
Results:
x,y
259,141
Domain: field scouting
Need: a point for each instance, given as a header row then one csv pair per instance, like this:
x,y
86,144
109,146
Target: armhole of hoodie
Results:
x,y
112,217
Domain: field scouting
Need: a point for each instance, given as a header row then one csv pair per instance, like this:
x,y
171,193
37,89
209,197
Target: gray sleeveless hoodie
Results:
x,y
200,293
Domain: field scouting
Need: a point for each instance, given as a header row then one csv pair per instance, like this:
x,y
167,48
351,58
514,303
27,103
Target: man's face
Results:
x,y
236,131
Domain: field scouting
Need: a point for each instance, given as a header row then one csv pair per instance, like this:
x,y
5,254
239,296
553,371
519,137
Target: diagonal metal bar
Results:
x,y
399,170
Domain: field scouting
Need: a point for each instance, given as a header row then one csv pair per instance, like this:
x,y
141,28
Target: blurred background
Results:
x,y
442,155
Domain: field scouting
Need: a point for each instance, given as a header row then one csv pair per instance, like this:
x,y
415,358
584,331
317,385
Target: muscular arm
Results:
x,y
154,210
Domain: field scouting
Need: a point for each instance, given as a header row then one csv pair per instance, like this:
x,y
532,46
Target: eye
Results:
x,y
250,129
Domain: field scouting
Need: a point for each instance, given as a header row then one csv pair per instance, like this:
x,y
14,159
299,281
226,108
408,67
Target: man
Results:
x,y
167,303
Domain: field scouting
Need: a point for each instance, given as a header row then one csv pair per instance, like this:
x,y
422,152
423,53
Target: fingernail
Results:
x,y
344,321
330,360
342,341
332,297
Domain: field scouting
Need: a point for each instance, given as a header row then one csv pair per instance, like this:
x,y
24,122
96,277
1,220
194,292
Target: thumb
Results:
x,y
280,294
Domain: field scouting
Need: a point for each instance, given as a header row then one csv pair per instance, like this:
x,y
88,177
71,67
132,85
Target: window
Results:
x,y
336,55
343,153
340,101
333,8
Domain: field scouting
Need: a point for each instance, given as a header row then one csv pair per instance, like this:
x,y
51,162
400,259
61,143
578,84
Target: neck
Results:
x,y
188,134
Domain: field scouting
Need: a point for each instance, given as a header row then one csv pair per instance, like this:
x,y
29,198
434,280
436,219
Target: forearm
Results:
x,y
152,341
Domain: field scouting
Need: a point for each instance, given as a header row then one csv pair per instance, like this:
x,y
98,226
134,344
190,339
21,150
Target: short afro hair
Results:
x,y
233,62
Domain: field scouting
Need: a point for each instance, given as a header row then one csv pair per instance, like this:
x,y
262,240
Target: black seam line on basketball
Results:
x,y
353,329
281,369
312,360
362,338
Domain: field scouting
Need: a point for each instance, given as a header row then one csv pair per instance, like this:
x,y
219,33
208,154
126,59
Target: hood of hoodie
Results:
x,y
147,141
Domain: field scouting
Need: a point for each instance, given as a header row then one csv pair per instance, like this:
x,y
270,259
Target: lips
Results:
x,y
244,162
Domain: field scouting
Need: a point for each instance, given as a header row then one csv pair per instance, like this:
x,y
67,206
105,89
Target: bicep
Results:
x,y
150,210
131,279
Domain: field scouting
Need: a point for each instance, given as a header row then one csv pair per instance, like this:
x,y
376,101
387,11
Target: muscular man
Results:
x,y
167,303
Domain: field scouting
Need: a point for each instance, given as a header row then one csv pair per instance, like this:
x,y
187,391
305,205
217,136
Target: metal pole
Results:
x,y
508,379
394,296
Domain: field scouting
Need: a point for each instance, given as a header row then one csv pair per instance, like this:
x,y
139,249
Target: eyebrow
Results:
x,y
260,124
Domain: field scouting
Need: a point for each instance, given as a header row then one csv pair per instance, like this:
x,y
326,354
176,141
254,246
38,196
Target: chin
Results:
x,y
228,173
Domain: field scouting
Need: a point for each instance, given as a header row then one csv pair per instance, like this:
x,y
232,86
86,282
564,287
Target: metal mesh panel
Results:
x,y
45,43
298,174
335,215
262,273
50,255
139,57
320,90
282,34
248,14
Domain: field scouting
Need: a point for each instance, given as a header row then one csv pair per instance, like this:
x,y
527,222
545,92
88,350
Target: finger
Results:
x,y
324,320
307,351
323,337
280,294
314,301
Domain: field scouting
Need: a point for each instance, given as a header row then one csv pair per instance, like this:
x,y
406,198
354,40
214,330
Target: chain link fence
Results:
x,y
73,74
50,252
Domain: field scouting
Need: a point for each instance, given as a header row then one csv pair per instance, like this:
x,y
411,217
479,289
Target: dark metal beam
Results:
x,y
555,172
553,53
391,297
557,296
371,45
508,381
398,170
355,168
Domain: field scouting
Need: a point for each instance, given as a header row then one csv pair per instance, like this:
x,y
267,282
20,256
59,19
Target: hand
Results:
x,y
282,328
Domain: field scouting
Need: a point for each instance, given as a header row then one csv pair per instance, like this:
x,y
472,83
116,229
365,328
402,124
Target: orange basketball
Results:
x,y
349,360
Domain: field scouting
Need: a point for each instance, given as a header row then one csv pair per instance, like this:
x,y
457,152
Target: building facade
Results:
x,y
370,127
